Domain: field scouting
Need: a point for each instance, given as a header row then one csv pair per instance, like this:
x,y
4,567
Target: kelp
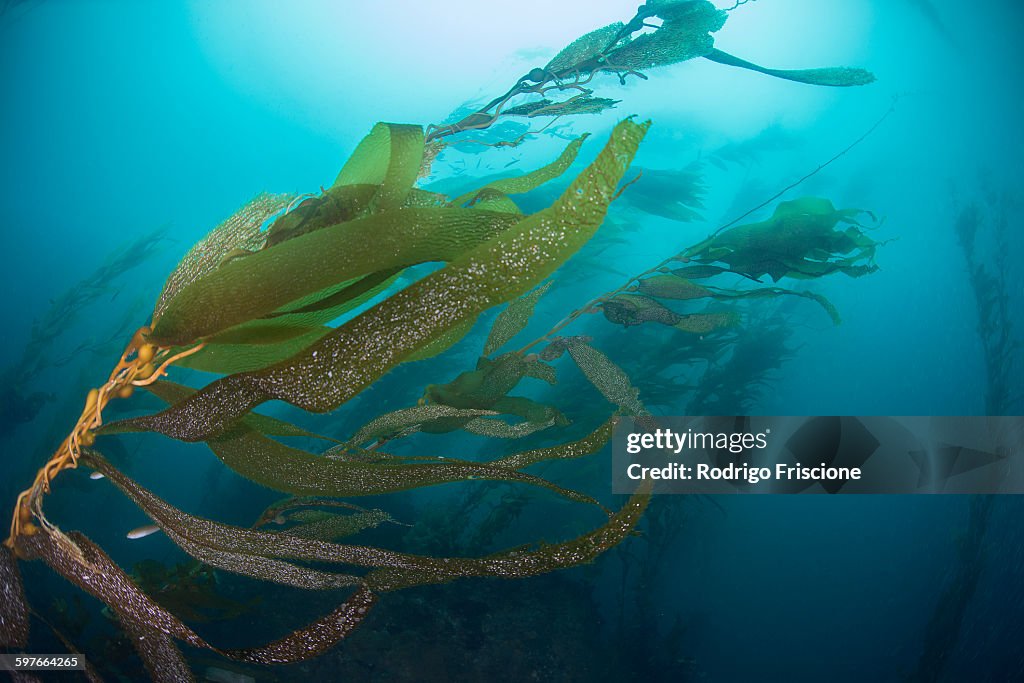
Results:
x,y
352,356
513,319
248,450
530,181
988,276
311,299
607,377
487,388
625,49
20,399
13,608
802,239
277,290
675,194
79,560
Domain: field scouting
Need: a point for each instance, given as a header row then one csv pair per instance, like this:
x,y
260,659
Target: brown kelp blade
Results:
x,y
81,562
343,363
397,569
248,451
13,608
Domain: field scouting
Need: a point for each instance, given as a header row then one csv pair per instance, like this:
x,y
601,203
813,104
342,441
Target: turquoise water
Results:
x,y
125,118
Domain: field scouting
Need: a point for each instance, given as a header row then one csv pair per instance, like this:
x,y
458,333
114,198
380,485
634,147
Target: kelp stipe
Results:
x,y
261,299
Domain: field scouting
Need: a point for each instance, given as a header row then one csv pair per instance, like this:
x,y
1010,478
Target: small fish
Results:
x,y
97,475
514,161
143,531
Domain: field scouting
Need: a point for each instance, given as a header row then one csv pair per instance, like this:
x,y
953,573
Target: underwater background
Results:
x,y
131,129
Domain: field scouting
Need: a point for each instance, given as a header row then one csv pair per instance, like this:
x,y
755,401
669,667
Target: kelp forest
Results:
x,y
399,329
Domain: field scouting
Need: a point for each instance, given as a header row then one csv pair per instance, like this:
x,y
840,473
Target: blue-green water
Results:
x,y
122,118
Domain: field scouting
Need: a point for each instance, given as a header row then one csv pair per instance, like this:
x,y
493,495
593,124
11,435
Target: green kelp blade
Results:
x,y
839,77
248,451
513,319
84,564
499,429
310,213
342,364
678,288
13,608
389,156
801,239
668,286
377,177
229,359
772,292
239,232
580,104
262,283
588,445
444,342
315,639
529,181
250,346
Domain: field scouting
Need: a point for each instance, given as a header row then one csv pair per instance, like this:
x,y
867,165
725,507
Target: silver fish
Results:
x,y
143,531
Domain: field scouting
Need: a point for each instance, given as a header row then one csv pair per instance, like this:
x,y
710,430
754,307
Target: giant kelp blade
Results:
x,y
530,181
838,77
172,392
607,377
513,319
342,364
261,283
801,239
588,445
81,562
301,473
399,569
523,563
405,419
584,49
250,346
685,34
160,655
390,157
246,450
13,608
240,232
315,639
